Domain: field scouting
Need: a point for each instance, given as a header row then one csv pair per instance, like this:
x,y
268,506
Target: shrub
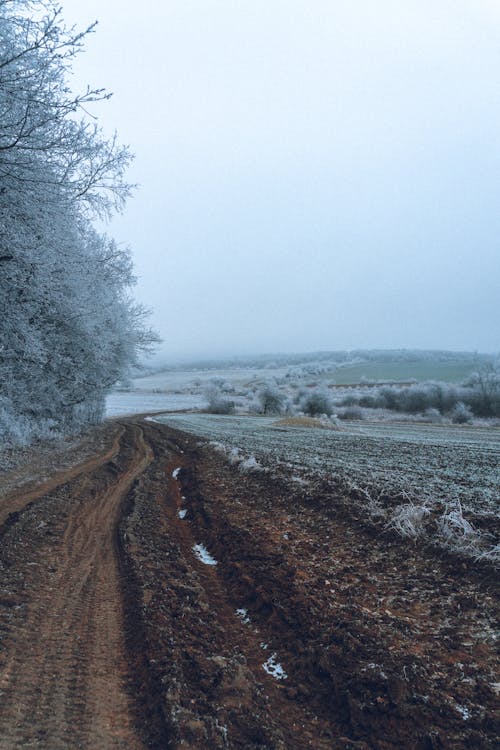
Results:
x,y
271,400
480,395
369,401
317,402
433,415
217,404
352,412
351,399
456,531
461,414
409,520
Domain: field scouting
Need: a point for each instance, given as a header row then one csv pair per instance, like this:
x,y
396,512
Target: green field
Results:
x,y
448,372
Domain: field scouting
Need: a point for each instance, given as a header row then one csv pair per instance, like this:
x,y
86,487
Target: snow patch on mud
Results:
x,y
243,615
182,513
274,668
463,711
175,472
203,554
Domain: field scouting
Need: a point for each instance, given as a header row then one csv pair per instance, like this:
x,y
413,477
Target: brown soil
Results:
x,y
113,634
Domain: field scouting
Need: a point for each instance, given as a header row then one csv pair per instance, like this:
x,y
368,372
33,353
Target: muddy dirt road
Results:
x,y
152,596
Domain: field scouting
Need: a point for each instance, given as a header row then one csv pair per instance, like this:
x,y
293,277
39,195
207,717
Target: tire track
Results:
x,y
206,663
114,634
63,678
16,501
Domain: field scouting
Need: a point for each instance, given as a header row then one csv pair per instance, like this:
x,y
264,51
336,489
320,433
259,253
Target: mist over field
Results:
x,y
312,175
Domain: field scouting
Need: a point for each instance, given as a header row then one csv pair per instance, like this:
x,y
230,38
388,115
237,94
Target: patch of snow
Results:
x,y
203,554
175,472
463,711
222,729
243,615
250,464
182,513
274,668
234,456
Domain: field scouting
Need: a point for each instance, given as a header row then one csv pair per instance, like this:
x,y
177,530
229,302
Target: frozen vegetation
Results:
x,y
69,328
421,480
312,385
421,458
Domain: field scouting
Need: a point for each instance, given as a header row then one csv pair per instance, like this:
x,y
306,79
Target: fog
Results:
x,y
312,175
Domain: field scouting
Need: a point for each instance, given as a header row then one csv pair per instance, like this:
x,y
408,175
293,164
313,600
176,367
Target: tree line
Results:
x,y
69,327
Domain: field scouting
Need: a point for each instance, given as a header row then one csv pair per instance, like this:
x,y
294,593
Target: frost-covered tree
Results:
x,y
485,383
41,119
69,328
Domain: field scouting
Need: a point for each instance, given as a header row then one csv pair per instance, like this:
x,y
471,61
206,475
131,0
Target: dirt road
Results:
x,y
154,597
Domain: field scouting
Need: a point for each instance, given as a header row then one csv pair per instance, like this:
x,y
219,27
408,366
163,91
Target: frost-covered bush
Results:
x,y
351,399
300,395
433,416
491,555
317,402
237,458
272,401
387,397
461,414
368,400
20,430
250,464
480,395
456,531
351,412
408,520
217,403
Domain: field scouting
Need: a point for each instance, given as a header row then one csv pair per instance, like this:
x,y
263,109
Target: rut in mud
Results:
x,y
154,597
63,662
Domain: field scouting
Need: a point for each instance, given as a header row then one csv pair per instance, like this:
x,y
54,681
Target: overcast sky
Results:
x,y
313,175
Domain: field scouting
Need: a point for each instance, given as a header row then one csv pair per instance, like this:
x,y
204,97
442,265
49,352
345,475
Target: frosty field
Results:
x,y
425,472
137,402
417,473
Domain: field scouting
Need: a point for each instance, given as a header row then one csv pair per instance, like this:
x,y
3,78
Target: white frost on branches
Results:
x,y
69,328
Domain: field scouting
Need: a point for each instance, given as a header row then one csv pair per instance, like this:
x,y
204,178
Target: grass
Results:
x,y
448,372
304,422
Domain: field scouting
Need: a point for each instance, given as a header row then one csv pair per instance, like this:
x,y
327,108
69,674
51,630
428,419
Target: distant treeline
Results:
x,y
334,358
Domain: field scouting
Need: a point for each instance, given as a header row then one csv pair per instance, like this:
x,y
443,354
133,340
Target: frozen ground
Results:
x,y
136,402
426,463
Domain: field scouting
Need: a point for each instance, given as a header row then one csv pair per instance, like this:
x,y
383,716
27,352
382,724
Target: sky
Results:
x,y
311,175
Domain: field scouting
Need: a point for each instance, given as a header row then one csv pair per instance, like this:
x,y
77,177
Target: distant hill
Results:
x,y
349,366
